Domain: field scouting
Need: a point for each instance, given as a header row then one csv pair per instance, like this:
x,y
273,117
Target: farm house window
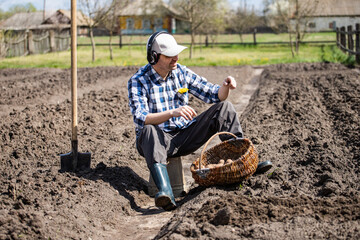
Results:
x,y
146,24
312,25
158,23
332,25
129,23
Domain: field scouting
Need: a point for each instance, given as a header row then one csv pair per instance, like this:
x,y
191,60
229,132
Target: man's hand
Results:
x,y
230,82
184,111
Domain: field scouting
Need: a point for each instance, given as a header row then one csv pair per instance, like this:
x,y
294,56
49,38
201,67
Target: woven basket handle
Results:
x,y
212,137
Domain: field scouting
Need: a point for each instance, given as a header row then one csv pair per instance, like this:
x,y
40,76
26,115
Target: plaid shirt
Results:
x,y
149,93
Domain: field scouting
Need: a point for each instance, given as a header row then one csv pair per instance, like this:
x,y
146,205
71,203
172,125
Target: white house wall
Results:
x,y
319,24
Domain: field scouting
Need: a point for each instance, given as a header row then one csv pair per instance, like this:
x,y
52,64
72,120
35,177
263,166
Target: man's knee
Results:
x,y
150,131
226,108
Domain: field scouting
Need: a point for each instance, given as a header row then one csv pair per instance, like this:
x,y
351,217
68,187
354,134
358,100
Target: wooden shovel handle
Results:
x,y
207,143
73,70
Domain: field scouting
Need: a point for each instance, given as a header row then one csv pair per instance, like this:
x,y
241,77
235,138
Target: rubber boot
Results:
x,y
263,167
165,197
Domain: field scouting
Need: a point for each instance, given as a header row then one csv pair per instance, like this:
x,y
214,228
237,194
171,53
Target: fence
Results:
x,y
37,43
345,40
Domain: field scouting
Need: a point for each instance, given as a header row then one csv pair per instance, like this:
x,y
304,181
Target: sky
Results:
x,y
65,4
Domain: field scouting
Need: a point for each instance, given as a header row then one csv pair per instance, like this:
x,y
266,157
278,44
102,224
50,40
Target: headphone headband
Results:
x,y
152,56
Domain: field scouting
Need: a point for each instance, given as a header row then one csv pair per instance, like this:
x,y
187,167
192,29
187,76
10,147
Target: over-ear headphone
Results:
x,y
152,56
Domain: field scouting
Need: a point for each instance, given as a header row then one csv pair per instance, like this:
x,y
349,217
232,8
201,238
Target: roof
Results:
x,y
146,7
328,8
34,20
64,17
26,20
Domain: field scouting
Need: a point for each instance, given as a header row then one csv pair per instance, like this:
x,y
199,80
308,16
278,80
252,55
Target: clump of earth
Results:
x,y
304,118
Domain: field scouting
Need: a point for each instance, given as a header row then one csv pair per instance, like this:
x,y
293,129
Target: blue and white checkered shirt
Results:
x,y
149,93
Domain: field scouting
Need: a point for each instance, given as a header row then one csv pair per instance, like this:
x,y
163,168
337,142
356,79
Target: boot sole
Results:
x,y
165,203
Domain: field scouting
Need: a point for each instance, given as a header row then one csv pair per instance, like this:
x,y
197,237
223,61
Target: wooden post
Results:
x,y
337,36
343,39
120,40
357,43
52,41
31,47
350,39
254,34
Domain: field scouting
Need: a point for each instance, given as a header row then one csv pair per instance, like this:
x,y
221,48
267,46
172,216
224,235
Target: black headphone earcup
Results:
x,y
150,58
154,57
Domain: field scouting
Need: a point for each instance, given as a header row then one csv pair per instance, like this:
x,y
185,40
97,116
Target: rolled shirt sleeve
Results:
x,y
138,102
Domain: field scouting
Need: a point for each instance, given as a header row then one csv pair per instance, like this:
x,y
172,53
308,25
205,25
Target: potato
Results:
x,y
211,165
229,161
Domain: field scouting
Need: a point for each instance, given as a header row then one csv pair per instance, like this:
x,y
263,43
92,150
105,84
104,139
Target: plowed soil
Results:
x,y
305,118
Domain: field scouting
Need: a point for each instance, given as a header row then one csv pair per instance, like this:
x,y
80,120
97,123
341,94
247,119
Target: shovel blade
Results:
x,y
70,163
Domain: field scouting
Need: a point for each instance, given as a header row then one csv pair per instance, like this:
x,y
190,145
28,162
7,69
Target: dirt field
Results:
x,y
305,118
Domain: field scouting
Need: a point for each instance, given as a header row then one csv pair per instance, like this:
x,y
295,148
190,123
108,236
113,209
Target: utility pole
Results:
x,y
44,10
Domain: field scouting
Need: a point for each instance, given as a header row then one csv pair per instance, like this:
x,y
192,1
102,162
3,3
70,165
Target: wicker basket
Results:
x,y
241,151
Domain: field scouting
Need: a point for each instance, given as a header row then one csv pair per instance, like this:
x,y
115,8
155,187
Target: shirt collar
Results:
x,y
158,78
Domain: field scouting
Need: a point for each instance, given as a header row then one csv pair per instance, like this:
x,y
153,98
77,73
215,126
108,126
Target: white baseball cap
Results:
x,y
166,44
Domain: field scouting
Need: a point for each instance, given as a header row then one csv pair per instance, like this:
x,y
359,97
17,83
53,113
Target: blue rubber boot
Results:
x,y
165,197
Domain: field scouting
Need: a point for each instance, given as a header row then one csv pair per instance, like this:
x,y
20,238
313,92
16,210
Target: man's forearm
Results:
x,y
186,112
157,118
228,84
223,92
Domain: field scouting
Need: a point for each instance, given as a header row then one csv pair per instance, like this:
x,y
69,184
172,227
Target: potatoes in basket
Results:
x,y
214,165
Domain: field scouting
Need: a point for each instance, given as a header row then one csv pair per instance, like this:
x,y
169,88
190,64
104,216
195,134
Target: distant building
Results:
x,y
146,17
326,15
59,20
24,21
34,33
63,17
334,13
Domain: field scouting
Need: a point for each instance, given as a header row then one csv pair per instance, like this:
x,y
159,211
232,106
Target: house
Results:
x,y
24,21
36,32
35,21
331,14
321,15
146,17
63,17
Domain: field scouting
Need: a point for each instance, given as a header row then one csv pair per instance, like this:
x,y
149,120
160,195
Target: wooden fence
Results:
x,y
36,43
347,43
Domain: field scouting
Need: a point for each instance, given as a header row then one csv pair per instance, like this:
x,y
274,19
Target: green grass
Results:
x,y
216,56
223,38
227,55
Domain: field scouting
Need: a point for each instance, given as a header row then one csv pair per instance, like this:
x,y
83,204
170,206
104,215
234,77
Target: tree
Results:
x,y
17,8
197,13
110,20
293,16
28,7
242,20
215,24
96,12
